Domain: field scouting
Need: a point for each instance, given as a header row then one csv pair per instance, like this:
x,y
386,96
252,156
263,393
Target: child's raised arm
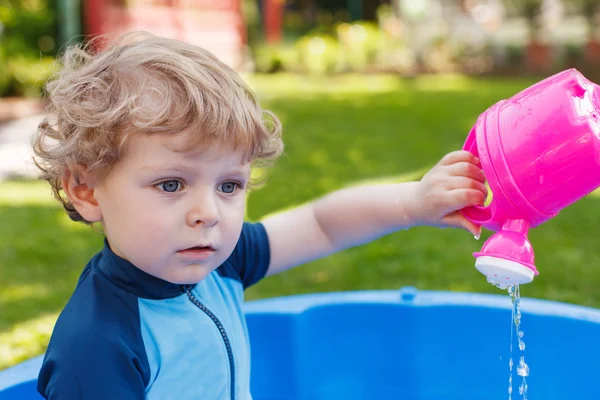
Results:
x,y
357,215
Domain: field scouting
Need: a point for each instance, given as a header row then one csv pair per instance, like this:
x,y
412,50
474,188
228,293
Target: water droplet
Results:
x,y
478,236
521,345
510,364
521,333
522,369
494,282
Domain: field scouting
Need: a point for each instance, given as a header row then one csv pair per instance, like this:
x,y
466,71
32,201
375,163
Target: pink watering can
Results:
x,y
540,152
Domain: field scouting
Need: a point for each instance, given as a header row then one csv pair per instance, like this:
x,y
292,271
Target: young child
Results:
x,y
154,139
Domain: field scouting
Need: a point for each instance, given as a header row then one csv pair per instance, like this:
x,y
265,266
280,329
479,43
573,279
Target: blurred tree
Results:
x,y
539,56
252,18
531,10
590,10
28,27
28,33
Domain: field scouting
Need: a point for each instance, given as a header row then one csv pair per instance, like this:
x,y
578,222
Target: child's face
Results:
x,y
175,215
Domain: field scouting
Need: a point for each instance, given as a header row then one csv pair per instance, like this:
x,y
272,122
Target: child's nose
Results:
x,y
204,212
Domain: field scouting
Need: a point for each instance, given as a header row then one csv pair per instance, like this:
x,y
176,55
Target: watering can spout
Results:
x,y
507,257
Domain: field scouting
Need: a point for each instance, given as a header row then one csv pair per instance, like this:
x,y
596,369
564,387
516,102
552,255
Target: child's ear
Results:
x,y
78,184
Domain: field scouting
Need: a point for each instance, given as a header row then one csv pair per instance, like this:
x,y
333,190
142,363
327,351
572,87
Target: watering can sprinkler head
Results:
x,y
503,273
507,257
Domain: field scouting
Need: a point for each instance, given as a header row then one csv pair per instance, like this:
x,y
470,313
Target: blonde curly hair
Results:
x,y
144,83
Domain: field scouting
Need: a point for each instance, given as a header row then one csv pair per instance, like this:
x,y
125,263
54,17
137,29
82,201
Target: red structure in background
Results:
x,y
216,25
273,20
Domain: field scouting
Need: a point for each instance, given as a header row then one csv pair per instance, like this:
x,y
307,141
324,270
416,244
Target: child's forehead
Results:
x,y
179,148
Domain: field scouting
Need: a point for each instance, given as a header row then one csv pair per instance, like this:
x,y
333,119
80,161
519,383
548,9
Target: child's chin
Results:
x,y
189,275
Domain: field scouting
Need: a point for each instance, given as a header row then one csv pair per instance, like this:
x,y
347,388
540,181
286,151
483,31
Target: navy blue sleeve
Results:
x,y
96,350
251,257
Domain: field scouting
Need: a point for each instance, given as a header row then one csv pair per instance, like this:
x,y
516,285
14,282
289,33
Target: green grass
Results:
x,y
337,133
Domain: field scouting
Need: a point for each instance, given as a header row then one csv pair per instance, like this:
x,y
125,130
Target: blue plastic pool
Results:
x,y
407,344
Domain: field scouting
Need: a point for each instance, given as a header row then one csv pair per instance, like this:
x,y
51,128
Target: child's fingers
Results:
x,y
457,220
458,199
459,156
460,182
467,169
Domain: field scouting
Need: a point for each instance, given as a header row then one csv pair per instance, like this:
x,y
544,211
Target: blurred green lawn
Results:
x,y
338,132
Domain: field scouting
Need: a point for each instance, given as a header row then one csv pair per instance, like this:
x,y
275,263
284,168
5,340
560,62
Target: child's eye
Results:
x,y
229,187
170,186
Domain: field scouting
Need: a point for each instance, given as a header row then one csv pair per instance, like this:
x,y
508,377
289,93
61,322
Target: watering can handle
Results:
x,y
477,214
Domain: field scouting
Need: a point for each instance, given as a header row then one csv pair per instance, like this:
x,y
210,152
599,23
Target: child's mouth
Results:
x,y
197,252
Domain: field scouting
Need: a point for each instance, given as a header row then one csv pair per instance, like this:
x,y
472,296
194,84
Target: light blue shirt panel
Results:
x,y
186,352
225,298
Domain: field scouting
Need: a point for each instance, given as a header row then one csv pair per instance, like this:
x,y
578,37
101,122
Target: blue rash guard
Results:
x,y
125,334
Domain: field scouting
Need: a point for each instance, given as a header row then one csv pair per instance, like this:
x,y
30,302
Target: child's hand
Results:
x,y
454,183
